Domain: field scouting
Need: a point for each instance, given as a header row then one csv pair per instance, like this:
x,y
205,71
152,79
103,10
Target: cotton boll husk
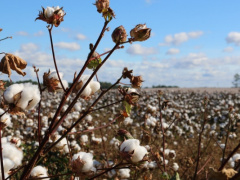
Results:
x,y
175,167
124,173
95,86
30,96
13,153
11,91
88,161
39,171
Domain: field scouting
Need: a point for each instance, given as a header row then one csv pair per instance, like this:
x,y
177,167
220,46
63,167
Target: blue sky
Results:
x,y
193,43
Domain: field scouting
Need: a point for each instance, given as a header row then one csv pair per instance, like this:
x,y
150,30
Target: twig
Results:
x,y
39,106
2,167
107,105
226,141
10,37
200,139
54,59
204,165
32,162
163,133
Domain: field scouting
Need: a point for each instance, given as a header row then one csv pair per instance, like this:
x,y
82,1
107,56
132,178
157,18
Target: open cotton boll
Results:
x,y
132,145
95,86
85,161
87,91
124,173
11,152
78,106
175,167
11,91
39,171
6,119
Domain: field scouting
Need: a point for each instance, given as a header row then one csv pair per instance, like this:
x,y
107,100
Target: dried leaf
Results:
x,y
9,61
16,97
51,84
2,84
225,174
16,111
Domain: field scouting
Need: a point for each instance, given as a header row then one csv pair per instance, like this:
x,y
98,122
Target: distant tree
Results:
x,y
236,80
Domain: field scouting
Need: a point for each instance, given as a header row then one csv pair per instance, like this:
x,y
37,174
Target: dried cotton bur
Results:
x,y
9,61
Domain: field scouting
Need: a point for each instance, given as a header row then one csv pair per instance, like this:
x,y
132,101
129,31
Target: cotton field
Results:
x,y
105,145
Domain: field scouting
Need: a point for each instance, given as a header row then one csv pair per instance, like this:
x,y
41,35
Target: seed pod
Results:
x,y
119,34
140,32
102,5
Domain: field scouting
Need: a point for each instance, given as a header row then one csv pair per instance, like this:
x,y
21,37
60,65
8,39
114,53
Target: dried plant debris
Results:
x,y
225,174
11,62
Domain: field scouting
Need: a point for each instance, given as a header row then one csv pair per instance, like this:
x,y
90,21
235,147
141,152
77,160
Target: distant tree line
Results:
x,y
164,86
236,80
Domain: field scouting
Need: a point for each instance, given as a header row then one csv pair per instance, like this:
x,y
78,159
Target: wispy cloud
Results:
x,y
179,38
137,49
173,51
233,37
228,49
80,36
22,33
39,33
71,46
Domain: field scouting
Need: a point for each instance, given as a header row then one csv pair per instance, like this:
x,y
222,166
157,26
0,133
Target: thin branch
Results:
x,y
9,37
204,165
39,106
107,105
2,167
54,59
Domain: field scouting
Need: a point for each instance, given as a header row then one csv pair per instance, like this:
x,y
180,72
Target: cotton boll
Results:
x,y
6,119
175,167
39,171
30,96
87,91
11,152
95,86
132,145
11,91
152,165
77,106
84,139
87,161
128,121
124,173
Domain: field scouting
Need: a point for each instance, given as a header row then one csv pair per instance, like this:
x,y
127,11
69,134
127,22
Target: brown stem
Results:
x,y
204,165
53,176
163,133
32,162
226,141
15,171
84,115
10,37
54,59
200,140
39,106
2,167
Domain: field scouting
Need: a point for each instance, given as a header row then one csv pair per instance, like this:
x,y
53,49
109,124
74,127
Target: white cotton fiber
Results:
x,y
6,119
124,173
11,152
87,159
11,91
39,171
95,86
132,145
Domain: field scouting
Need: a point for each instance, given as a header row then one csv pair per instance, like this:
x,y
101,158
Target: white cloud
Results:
x,y
80,37
172,51
228,49
71,46
137,49
180,38
29,47
233,37
39,33
22,33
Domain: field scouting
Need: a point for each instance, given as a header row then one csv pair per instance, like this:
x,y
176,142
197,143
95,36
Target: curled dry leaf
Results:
x,y
225,174
51,84
2,84
9,61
